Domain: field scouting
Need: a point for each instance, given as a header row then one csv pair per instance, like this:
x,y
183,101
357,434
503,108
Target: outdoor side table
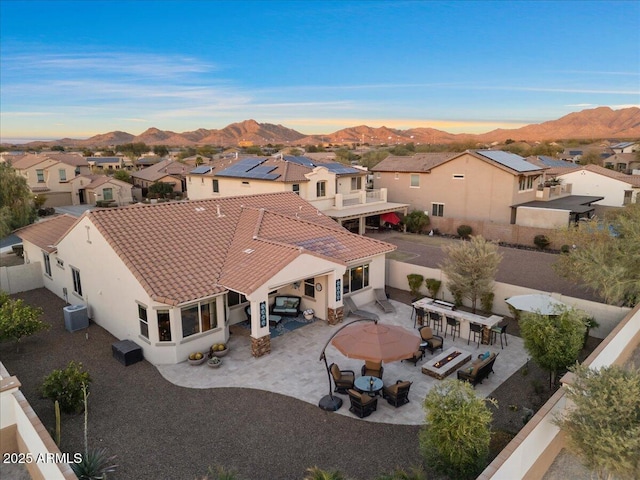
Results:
x,y
127,352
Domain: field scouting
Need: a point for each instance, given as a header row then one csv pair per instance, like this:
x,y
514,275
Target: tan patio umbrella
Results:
x,y
376,342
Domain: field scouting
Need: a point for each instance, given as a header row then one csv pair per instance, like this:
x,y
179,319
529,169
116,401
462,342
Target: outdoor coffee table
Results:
x,y
446,363
363,384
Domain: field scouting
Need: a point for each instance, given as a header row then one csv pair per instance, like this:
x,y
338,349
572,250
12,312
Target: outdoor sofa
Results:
x,y
479,370
286,305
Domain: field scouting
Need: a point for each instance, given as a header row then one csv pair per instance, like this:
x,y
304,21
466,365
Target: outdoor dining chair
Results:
x,y
373,369
420,318
436,319
430,341
343,379
499,330
397,394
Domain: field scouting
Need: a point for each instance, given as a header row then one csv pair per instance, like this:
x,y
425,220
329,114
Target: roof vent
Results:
x,y
200,209
249,250
218,212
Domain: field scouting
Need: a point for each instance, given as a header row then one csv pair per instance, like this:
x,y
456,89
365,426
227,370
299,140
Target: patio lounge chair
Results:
x,y
416,357
362,404
343,379
375,369
397,394
429,340
382,301
351,309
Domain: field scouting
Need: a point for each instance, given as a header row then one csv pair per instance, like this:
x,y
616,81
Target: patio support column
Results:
x,y
261,346
361,225
335,315
260,336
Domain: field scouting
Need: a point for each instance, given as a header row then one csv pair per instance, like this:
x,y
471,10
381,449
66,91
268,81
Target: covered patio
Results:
x,y
292,368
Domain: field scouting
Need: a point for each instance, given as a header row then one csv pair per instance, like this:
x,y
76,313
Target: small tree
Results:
x,y
554,341
470,268
415,282
416,221
18,320
123,176
603,428
433,285
464,231
455,439
541,241
161,189
68,386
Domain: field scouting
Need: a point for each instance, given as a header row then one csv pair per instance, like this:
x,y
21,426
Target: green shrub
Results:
x,y
416,221
486,301
65,386
541,241
464,231
433,286
17,319
565,248
415,282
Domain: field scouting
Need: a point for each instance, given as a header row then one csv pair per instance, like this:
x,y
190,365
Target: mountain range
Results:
x,y
601,122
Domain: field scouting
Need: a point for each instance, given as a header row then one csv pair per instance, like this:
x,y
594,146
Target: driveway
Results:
x,y
526,268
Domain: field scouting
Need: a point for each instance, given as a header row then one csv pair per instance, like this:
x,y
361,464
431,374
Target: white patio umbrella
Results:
x,y
536,303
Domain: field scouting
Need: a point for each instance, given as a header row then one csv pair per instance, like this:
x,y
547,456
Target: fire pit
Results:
x,y
446,363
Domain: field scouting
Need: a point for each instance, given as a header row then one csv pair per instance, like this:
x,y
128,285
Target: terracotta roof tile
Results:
x,y
421,162
623,177
183,251
46,233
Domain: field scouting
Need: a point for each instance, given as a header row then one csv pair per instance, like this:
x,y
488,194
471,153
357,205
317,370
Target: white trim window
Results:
x,y
77,284
143,320
415,180
321,188
216,185
201,317
355,278
62,173
47,264
310,287
164,325
437,209
356,183
525,183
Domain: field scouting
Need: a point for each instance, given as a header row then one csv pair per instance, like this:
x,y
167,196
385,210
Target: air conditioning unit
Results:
x,y
75,317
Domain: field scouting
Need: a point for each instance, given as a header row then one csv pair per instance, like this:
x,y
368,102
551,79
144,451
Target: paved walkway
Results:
x,y
293,368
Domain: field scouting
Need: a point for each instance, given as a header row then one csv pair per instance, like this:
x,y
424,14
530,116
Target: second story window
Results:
x,y
63,174
321,189
40,176
296,188
216,186
415,180
356,183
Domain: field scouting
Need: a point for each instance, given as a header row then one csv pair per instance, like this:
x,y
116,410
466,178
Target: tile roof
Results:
x,y
46,233
28,161
161,169
633,180
421,162
183,251
545,161
31,160
287,171
69,159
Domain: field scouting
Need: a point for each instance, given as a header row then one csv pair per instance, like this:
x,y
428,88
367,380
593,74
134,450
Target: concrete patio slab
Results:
x,y
294,368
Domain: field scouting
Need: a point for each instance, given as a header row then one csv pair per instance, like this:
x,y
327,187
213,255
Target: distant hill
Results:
x,y
602,122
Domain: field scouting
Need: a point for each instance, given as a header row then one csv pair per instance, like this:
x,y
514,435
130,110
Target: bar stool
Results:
x,y
476,329
499,330
419,317
436,318
453,324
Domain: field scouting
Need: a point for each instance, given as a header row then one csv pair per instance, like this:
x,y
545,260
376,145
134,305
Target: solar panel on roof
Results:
x,y
264,169
304,161
340,169
201,169
509,160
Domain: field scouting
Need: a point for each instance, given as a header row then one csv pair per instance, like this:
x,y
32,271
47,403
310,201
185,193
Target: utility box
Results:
x,y
75,317
127,352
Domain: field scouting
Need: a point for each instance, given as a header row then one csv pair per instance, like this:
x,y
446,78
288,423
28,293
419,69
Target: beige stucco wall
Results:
x,y
485,193
589,183
543,218
200,187
121,192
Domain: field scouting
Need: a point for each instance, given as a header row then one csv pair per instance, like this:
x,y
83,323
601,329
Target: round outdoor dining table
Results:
x,y
368,384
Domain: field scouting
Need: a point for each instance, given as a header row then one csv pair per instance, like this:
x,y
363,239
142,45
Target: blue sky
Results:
x,y
79,68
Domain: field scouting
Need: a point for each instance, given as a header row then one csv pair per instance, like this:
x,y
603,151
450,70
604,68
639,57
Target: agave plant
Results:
x,y
95,465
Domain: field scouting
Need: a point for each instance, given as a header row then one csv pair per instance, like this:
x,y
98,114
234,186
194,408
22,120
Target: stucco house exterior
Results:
x,y
480,185
164,171
89,189
49,174
336,190
617,188
174,276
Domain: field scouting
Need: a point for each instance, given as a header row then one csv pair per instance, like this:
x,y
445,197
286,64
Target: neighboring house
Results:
x,y
480,185
148,160
49,174
623,162
625,147
544,161
89,189
336,190
106,163
165,171
616,188
173,276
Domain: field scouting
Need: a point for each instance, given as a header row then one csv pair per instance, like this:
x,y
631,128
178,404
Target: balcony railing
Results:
x,y
361,197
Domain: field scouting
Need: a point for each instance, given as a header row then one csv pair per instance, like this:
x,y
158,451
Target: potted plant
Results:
x,y
196,358
214,362
308,314
218,350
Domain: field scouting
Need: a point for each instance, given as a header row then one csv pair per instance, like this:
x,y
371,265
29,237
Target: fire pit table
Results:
x,y
446,363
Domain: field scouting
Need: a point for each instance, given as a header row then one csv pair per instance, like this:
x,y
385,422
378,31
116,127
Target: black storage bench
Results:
x,y
127,352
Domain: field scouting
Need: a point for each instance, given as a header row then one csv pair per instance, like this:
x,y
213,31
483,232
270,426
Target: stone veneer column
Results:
x,y
335,316
261,346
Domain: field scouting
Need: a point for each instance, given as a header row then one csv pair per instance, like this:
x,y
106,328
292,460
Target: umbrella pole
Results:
x,y
329,402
